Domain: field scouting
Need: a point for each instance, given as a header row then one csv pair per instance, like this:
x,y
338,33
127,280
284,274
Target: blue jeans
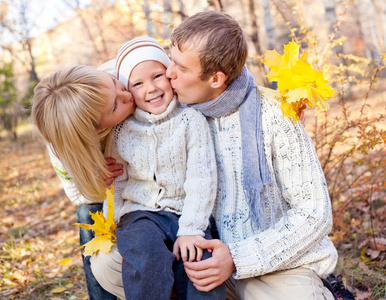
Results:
x,y
149,269
95,291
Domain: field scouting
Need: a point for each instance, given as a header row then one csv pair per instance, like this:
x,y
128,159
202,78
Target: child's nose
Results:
x,y
151,88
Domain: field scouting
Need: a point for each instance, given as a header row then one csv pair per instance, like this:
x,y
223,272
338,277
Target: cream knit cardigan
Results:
x,y
301,237
169,164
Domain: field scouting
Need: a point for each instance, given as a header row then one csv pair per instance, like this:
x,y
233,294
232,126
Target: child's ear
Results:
x,y
218,80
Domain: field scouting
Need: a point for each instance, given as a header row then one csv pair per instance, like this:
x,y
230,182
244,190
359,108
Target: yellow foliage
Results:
x,y
297,81
65,262
104,228
58,290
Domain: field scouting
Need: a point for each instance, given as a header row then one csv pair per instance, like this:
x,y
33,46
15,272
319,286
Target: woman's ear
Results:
x,y
218,80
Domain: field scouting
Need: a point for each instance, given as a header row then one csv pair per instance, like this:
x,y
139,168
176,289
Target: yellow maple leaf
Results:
x,y
98,243
297,81
104,228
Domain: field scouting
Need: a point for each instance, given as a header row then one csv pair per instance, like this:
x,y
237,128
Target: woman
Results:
x,y
81,105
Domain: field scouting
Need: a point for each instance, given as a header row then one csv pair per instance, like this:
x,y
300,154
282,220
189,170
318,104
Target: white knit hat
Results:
x,y
136,51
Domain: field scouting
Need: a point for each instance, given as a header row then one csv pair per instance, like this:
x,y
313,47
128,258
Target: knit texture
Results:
x,y
135,51
169,164
243,93
301,237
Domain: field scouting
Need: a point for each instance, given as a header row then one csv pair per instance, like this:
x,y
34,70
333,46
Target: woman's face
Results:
x,y
120,103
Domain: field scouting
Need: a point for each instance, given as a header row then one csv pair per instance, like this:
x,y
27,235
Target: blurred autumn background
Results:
x,y
346,40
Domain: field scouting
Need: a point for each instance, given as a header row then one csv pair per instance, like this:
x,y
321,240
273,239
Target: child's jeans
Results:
x,y
149,269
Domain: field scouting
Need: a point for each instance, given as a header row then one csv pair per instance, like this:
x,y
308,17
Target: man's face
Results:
x,y
184,73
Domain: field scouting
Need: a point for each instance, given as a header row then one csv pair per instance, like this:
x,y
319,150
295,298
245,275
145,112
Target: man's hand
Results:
x,y
186,245
115,169
210,273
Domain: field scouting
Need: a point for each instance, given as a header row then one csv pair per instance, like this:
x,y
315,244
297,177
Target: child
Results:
x,y
168,188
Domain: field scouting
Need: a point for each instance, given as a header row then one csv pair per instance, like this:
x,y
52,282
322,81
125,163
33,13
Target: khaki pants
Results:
x,y
107,269
295,284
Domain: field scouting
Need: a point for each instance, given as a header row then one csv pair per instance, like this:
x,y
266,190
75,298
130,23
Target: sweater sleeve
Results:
x,y
66,180
201,176
303,229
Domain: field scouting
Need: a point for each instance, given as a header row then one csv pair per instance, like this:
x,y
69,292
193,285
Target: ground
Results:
x,y
39,243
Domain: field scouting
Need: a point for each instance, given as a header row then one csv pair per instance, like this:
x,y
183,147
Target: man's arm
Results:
x,y
300,236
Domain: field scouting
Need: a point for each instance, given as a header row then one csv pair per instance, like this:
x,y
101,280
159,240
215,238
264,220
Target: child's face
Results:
x,y
151,89
120,103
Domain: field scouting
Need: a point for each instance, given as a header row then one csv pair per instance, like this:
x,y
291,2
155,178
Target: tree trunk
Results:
x,y
380,7
168,18
146,10
332,22
271,38
256,42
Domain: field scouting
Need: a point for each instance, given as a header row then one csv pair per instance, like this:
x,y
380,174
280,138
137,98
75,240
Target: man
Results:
x,y
273,211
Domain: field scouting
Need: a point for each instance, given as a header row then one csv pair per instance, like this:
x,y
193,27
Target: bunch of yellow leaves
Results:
x,y
298,83
104,228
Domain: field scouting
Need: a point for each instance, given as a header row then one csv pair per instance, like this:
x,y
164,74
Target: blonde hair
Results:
x,y
67,107
219,41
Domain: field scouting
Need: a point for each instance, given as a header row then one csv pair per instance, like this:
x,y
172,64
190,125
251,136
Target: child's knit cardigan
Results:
x,y
169,164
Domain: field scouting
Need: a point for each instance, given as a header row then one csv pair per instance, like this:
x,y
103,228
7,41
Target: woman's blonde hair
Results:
x,y
67,107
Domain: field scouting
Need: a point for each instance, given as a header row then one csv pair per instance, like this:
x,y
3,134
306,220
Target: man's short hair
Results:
x,y
219,41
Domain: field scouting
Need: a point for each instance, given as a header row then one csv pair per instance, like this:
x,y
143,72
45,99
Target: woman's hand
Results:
x,y
115,170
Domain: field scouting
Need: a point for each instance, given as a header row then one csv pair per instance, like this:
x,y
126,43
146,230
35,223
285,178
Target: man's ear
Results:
x,y
218,80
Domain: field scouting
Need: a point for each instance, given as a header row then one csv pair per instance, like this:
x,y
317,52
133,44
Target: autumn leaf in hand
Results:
x,y
297,81
104,228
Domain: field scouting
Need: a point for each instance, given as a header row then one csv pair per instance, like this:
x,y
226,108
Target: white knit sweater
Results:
x,y
169,164
299,239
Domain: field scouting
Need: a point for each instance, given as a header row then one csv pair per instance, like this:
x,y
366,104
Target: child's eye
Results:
x,y
137,84
115,106
158,75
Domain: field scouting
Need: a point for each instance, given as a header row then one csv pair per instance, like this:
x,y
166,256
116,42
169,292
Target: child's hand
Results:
x,y
185,245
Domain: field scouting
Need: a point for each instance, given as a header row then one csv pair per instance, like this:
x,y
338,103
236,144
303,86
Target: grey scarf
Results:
x,y
243,93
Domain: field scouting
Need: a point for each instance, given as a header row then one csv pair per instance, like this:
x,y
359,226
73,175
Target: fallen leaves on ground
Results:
x,y
39,246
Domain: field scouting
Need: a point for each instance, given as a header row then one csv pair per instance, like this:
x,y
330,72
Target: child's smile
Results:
x,y
150,87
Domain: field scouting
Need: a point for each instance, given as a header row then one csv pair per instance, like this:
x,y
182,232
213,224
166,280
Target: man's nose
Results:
x,y
170,71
